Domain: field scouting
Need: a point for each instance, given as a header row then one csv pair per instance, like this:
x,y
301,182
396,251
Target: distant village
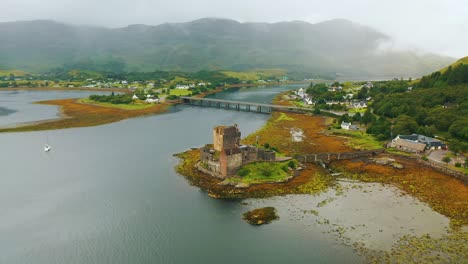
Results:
x,y
348,104
347,100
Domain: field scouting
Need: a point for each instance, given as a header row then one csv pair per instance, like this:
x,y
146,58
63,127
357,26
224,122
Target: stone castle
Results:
x,y
225,156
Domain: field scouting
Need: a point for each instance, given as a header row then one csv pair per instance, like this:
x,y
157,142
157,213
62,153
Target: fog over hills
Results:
x,y
335,46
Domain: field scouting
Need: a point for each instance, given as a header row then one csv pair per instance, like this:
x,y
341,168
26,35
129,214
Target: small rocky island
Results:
x,y
260,216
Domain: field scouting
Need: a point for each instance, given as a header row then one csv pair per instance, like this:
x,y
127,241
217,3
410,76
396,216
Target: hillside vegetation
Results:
x,y
328,48
436,106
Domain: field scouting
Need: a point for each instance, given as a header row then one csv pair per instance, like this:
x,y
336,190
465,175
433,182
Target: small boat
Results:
x,y
47,148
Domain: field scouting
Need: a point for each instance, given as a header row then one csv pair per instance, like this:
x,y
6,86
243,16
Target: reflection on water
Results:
x,y
5,111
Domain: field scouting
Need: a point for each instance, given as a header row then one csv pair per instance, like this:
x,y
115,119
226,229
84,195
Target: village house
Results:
x,y
359,105
348,126
368,85
301,94
334,89
152,100
408,146
416,143
345,125
182,87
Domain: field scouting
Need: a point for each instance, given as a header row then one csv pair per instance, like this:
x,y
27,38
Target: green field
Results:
x,y
256,74
132,106
180,92
357,110
263,172
359,139
17,73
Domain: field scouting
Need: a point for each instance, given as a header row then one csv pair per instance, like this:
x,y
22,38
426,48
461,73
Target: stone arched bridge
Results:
x,y
330,156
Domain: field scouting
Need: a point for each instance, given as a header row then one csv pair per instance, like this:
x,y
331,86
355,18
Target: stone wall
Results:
x,y
230,164
324,157
266,155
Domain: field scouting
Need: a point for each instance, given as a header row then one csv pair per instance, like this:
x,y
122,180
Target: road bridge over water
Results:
x,y
241,106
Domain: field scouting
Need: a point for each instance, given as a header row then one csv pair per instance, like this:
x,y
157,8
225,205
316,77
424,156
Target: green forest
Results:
x,y
436,106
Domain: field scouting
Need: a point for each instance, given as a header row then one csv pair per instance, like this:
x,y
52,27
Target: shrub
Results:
x,y
458,164
265,170
446,159
424,158
291,164
243,172
266,145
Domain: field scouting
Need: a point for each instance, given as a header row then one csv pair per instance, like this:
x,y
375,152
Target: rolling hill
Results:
x,y
331,47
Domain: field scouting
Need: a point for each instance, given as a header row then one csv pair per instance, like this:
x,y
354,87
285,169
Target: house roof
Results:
x,y
410,144
413,137
428,141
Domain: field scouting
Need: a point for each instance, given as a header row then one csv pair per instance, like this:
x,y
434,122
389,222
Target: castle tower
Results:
x,y
226,138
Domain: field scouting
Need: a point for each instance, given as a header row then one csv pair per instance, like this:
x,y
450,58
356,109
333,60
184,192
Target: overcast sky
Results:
x,y
439,26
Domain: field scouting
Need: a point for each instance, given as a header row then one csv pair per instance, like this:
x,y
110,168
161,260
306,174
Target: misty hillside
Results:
x,y
336,46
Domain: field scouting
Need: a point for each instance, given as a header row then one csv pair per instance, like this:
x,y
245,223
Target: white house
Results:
x,y
301,93
182,87
345,126
368,85
360,105
134,97
152,101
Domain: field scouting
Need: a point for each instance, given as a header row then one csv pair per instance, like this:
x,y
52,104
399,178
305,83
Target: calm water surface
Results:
x,y
16,106
109,194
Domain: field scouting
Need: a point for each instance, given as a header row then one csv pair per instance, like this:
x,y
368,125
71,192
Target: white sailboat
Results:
x,y
47,147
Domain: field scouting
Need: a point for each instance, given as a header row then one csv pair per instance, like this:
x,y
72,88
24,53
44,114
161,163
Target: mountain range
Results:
x,y
332,47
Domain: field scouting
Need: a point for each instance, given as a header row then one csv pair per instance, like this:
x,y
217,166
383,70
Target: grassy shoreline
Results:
x,y
77,114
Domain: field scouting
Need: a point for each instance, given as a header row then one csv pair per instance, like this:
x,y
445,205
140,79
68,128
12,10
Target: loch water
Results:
x,y
110,193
